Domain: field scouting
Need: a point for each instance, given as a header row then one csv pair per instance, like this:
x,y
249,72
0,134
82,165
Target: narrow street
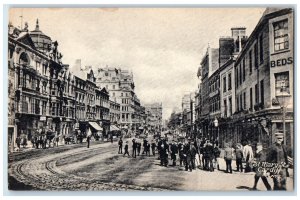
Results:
x,y
75,167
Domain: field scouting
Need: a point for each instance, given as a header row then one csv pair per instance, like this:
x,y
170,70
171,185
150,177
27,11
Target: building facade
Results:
x,y
264,80
38,99
120,85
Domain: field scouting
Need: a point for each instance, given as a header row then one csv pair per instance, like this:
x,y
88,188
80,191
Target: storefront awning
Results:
x,y
96,126
114,128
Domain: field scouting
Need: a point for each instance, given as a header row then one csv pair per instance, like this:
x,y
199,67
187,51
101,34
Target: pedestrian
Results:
x,y
88,139
120,143
248,155
148,149
153,146
261,156
174,151
18,142
111,138
239,157
228,156
145,146
159,144
138,147
57,140
164,152
187,157
278,154
181,154
133,148
126,149
217,153
209,150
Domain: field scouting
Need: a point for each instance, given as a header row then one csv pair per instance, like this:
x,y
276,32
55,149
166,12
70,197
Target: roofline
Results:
x,y
257,28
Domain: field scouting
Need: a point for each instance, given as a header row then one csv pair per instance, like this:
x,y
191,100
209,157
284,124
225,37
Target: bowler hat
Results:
x,y
278,135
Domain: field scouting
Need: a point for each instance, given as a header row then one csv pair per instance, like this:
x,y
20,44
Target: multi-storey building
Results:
x,y
38,99
209,64
119,83
264,80
92,102
154,116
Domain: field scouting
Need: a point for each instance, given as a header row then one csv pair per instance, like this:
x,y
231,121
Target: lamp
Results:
x,y
216,123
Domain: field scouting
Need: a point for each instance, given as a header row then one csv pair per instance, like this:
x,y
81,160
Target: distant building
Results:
x,y
154,116
120,85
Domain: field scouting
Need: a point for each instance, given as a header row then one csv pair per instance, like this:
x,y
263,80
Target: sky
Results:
x,y
162,47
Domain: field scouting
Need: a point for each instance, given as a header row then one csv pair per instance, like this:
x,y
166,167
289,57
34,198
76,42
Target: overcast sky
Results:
x,y
162,46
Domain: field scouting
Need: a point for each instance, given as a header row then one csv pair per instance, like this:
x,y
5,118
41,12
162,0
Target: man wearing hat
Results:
x,y
278,154
133,148
261,156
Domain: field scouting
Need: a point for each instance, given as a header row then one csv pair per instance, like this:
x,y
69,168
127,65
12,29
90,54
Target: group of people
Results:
x,y
137,147
209,155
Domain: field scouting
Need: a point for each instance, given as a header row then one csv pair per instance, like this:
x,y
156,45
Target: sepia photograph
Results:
x,y
150,99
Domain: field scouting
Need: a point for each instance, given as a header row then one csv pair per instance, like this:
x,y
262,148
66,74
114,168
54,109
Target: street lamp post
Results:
x,y
283,107
216,123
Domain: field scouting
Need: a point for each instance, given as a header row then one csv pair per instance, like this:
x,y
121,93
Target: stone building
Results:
x,y
264,80
37,98
120,85
154,116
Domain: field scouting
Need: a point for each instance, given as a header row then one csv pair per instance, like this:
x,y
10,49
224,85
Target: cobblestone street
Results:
x,y
75,167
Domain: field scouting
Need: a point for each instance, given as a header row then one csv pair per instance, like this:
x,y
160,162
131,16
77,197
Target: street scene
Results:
x,y
151,99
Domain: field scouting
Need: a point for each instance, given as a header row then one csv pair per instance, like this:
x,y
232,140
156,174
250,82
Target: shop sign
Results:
x,y
42,118
281,62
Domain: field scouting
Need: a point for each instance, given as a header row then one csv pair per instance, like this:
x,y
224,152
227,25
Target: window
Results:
x,y
250,62
230,106
255,56
244,70
241,102
244,100
229,82
225,108
113,86
251,100
261,49
237,104
236,77
106,74
224,83
281,38
256,94
262,91
44,106
113,94
32,105
240,74
282,86
121,94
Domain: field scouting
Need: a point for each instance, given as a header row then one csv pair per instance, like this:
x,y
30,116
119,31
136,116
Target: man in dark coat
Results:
x,y
278,154
174,151
88,139
209,150
164,152
138,147
188,157
145,144
126,149
133,148
120,143
153,145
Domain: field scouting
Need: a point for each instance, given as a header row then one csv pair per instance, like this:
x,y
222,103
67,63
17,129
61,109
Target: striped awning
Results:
x,y
96,126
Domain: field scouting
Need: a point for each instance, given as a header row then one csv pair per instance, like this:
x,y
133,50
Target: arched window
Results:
x,y
24,59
